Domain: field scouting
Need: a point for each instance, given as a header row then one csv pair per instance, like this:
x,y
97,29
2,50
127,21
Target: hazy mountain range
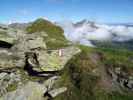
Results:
x,y
91,33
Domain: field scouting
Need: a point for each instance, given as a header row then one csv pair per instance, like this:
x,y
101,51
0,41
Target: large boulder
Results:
x,y
28,42
8,60
51,60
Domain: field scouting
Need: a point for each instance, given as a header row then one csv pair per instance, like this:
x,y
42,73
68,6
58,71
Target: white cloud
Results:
x,y
86,32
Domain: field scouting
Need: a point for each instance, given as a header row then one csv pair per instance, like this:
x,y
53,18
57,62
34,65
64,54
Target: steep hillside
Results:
x,y
114,44
53,35
98,74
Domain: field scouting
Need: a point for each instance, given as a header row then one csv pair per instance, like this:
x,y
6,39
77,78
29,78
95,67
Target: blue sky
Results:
x,y
119,11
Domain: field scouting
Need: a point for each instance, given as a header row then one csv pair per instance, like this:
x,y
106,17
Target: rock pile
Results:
x,y
121,78
28,52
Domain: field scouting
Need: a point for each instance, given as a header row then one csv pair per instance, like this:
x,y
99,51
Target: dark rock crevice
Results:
x,y
30,69
5,44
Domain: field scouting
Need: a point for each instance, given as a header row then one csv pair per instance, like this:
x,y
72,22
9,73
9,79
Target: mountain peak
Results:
x,y
84,21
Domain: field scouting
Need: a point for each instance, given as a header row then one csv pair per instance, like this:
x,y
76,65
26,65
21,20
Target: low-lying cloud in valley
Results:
x,y
84,32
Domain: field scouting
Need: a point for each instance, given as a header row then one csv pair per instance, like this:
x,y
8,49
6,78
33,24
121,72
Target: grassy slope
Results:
x,y
116,45
55,38
119,57
82,84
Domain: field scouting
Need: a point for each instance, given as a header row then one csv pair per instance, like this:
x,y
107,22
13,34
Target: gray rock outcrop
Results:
x,y
29,53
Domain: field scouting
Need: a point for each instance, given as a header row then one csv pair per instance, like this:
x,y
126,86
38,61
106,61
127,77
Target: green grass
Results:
x,y
115,45
12,87
112,96
44,25
53,31
82,84
56,44
117,57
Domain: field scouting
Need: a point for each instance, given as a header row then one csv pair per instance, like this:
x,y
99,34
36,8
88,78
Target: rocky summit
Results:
x,y
28,67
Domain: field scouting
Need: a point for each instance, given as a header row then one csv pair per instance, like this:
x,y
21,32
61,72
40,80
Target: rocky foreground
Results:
x,y
24,57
